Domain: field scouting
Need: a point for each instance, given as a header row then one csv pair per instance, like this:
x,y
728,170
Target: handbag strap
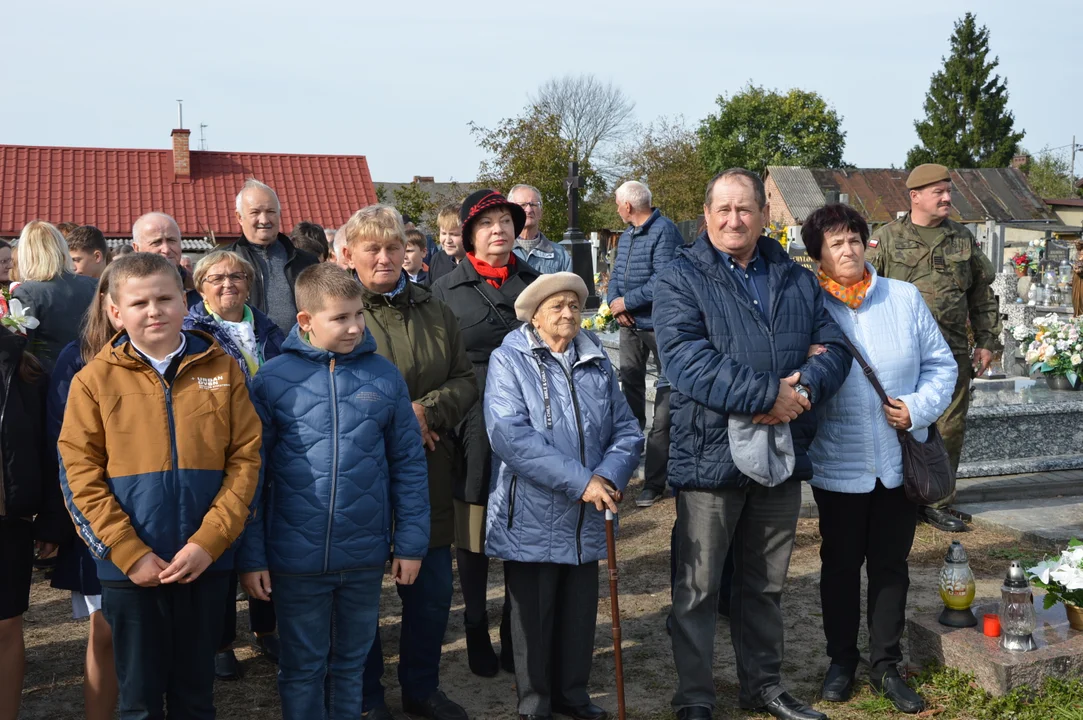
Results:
x,y
865,368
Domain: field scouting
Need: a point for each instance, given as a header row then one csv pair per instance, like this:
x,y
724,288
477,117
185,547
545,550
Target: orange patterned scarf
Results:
x,y
853,296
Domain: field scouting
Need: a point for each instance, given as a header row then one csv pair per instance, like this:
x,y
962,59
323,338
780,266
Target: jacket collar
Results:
x,y
465,274
413,294
284,239
587,346
544,247
120,351
873,284
642,229
261,323
707,259
296,345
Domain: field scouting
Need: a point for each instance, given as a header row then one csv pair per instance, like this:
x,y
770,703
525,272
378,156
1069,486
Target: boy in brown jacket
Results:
x,y
161,454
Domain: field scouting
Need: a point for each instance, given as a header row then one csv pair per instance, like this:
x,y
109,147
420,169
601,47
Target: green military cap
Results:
x,y
927,174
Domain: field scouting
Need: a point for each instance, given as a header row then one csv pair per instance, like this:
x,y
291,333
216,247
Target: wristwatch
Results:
x,y
802,391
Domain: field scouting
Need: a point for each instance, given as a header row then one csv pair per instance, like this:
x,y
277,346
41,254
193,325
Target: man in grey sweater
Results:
x,y
277,261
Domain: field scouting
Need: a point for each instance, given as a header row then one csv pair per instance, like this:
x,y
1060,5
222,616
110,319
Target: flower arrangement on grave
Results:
x,y
603,320
14,316
1062,579
1053,346
778,232
1024,262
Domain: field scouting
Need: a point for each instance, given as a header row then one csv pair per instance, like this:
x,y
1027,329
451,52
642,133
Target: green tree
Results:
x,y
411,200
381,193
967,123
756,127
666,156
530,149
1049,174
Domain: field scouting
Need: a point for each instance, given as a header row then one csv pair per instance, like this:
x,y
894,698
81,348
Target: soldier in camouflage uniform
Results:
x,y
942,258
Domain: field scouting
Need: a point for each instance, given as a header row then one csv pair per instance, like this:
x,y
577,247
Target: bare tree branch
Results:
x,y
593,115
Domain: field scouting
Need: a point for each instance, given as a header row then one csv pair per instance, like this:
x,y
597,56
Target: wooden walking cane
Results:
x,y
611,548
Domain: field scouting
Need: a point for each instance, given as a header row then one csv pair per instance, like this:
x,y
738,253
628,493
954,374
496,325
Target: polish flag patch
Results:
x,y
874,242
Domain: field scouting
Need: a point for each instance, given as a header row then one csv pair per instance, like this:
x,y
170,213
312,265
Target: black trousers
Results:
x,y
164,641
554,609
261,615
875,529
636,347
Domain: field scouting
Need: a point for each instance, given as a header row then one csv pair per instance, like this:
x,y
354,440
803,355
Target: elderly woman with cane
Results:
x,y
565,444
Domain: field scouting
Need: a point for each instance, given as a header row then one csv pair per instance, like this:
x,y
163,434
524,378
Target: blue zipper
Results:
x,y
334,468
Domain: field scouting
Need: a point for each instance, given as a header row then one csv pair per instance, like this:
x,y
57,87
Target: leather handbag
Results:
x,y
927,474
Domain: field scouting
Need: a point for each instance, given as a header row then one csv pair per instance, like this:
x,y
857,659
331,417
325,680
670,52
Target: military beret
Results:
x,y
927,174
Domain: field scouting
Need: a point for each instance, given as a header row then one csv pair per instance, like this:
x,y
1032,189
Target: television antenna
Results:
x,y
202,136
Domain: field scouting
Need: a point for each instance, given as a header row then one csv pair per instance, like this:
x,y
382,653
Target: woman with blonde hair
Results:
x,y
50,291
75,569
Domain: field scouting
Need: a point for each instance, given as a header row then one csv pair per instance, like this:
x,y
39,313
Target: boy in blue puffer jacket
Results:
x,y
343,465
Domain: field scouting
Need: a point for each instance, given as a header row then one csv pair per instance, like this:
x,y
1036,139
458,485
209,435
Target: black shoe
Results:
x,y
648,497
269,646
226,666
895,689
838,684
590,711
695,712
787,707
435,707
479,650
380,712
941,519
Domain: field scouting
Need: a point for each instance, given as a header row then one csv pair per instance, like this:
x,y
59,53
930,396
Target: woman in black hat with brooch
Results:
x,y
482,294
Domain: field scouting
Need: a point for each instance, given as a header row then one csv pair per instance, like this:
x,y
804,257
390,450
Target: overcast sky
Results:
x,y
399,81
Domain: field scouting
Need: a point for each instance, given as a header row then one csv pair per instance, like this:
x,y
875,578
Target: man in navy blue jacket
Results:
x,y
737,321
643,251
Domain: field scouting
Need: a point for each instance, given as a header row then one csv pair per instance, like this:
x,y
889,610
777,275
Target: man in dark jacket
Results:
x,y
277,261
645,249
737,323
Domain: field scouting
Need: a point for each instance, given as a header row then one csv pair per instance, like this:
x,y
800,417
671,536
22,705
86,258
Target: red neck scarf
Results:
x,y
492,275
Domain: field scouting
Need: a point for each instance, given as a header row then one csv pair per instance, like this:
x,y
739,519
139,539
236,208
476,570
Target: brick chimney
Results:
x,y
424,179
182,167
1020,160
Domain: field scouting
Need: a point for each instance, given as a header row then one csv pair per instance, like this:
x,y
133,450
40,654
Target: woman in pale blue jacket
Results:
x,y
865,516
565,444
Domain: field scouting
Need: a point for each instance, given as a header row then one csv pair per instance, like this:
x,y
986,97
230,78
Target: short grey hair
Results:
x,y
736,172
340,240
254,184
635,193
531,188
145,216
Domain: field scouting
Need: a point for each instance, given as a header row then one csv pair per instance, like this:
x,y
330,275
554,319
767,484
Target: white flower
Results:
x,y
1077,359
19,318
1043,569
1020,333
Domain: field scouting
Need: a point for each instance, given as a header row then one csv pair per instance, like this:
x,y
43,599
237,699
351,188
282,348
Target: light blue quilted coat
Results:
x,y
899,338
540,472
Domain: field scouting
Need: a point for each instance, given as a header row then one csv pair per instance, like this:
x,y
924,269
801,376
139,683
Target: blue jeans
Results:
x,y
164,640
426,606
325,624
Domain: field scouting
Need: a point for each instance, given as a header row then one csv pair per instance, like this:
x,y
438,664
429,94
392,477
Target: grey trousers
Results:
x,y
554,609
636,347
761,524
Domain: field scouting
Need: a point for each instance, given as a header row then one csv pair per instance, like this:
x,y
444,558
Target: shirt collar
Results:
x,y
160,366
731,263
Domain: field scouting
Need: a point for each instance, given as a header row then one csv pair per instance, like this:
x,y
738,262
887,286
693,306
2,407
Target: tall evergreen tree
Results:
x,y
967,123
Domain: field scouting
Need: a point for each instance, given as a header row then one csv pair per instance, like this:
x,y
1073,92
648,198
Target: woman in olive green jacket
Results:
x,y
420,335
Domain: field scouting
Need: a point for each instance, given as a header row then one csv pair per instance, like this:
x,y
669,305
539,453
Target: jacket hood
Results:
x,y
525,340
120,351
297,345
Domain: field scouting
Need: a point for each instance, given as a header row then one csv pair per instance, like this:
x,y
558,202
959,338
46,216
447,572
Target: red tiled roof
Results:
x,y
110,188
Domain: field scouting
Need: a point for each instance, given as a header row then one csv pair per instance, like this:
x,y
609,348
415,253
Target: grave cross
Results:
x,y
574,242
572,183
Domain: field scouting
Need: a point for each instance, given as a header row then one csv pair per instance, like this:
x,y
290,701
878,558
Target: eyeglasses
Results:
x,y
535,205
219,280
